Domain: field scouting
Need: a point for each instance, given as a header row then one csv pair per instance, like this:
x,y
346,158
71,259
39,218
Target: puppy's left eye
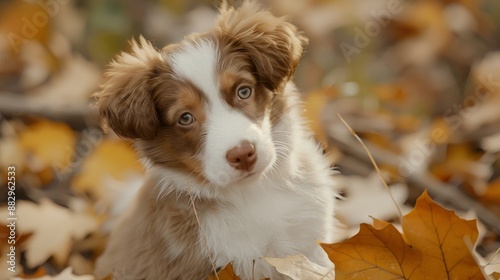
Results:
x,y
186,119
244,92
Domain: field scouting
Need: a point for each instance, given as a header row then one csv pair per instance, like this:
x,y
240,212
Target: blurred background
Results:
x,y
418,81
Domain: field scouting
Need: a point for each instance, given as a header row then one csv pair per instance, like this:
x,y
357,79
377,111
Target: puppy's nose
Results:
x,y
242,157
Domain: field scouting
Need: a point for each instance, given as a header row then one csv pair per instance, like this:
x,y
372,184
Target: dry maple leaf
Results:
x,y
53,229
439,234
437,249
376,254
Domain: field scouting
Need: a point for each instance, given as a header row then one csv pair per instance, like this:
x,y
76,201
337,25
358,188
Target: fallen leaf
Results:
x,y
439,234
375,254
299,267
225,274
435,248
111,158
64,275
463,161
492,193
18,21
47,143
53,229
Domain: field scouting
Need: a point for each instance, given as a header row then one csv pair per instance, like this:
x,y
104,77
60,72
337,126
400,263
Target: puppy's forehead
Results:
x,y
196,62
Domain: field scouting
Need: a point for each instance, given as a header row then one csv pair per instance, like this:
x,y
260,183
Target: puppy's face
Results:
x,y
204,107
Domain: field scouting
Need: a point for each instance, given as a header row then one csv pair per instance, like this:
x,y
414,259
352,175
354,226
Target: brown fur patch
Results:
x,y
160,240
256,106
143,100
124,101
271,45
177,146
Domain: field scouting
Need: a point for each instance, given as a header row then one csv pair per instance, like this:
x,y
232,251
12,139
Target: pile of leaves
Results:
x,y
418,81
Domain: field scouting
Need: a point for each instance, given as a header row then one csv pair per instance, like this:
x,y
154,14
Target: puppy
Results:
x,y
233,175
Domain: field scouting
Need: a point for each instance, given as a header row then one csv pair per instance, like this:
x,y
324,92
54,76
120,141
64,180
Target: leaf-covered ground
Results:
x,y
418,81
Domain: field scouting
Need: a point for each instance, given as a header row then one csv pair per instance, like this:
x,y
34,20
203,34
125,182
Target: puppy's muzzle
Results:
x,y
242,157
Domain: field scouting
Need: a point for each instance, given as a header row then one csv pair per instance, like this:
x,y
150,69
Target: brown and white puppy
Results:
x,y
218,121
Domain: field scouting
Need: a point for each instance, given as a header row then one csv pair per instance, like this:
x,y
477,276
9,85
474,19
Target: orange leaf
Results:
x,y
374,254
439,234
437,249
226,274
379,224
492,193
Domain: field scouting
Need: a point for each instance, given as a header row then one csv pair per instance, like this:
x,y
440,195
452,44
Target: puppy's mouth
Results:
x,y
249,175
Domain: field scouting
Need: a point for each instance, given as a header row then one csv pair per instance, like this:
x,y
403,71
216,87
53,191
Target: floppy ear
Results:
x,y
125,100
273,44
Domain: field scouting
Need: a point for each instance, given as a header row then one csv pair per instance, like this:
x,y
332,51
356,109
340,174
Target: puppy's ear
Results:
x,y
273,44
125,101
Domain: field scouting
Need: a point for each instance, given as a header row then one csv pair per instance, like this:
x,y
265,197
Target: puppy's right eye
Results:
x,y
186,119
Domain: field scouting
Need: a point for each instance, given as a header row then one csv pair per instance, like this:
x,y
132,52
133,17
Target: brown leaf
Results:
x,y
439,234
376,254
492,193
437,249
226,274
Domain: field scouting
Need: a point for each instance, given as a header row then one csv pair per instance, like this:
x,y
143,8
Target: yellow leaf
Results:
x,y
25,20
49,143
435,248
113,158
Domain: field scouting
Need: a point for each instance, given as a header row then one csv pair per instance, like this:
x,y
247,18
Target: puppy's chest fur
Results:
x,y
272,218
247,229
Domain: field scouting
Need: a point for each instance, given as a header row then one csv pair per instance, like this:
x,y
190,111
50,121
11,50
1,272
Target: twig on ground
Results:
x,y
442,192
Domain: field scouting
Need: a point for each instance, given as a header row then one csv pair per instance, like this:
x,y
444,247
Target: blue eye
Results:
x,y
186,119
244,92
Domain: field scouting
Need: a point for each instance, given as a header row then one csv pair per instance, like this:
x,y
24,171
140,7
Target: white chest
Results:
x,y
266,221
